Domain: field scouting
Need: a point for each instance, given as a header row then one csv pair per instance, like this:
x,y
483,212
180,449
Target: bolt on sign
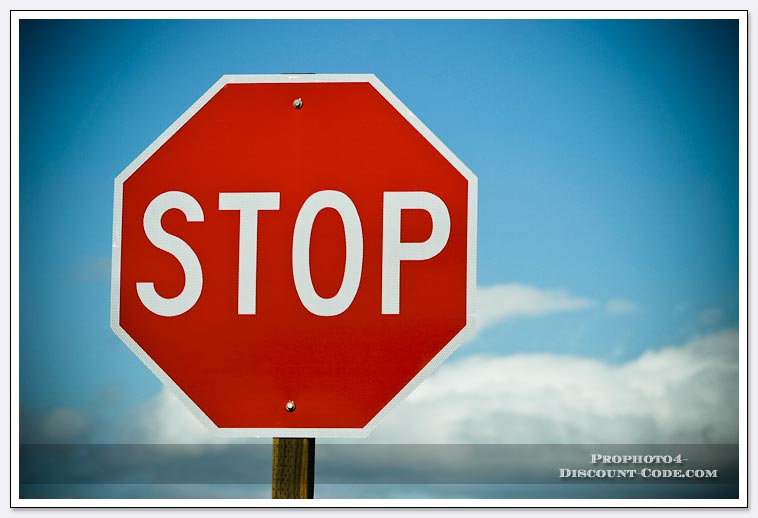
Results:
x,y
294,254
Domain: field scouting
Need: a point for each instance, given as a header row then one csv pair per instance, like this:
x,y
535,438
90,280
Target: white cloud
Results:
x,y
681,394
620,306
163,419
503,301
684,394
60,425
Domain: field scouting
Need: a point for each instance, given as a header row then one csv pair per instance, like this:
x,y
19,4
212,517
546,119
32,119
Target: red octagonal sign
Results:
x,y
294,254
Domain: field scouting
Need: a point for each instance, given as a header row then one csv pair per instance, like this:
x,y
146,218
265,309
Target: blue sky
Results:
x,y
606,152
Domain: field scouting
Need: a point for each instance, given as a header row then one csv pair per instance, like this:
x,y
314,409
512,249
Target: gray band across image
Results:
x,y
657,471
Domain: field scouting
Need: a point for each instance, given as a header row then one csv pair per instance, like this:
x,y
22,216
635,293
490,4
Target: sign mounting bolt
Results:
x,y
290,406
297,103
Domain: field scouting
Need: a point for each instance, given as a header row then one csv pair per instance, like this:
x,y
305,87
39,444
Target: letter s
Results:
x,y
193,273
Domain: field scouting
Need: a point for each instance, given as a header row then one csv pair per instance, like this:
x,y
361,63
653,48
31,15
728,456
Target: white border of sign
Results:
x,y
423,374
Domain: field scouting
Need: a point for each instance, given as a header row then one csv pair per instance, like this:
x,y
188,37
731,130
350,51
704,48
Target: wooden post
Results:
x,y
293,468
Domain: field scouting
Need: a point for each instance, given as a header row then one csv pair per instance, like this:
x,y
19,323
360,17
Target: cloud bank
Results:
x,y
60,425
680,394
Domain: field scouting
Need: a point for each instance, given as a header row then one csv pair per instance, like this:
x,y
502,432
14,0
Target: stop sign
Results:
x,y
294,254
